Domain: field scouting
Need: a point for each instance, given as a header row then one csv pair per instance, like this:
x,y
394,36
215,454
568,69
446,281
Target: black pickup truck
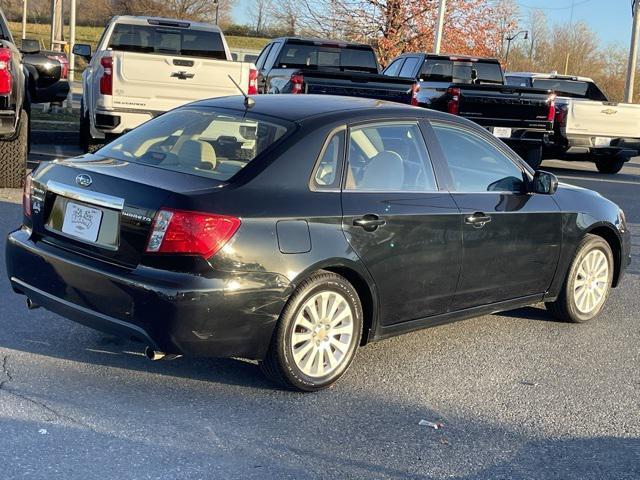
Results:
x,y
48,72
304,65
475,88
14,111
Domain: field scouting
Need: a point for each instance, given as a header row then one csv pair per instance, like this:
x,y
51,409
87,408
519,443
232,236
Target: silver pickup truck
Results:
x,y
587,126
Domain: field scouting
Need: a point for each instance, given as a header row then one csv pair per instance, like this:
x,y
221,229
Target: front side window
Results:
x,y
475,164
390,157
393,69
263,56
199,141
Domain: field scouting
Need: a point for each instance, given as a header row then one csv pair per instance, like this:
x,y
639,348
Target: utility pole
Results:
x,y
633,55
24,19
442,9
72,57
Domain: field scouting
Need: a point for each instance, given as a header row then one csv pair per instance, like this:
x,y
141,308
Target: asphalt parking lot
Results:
x,y
519,395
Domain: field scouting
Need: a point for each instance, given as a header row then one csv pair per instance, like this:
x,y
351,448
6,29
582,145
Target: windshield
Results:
x,y
328,57
198,141
445,70
167,40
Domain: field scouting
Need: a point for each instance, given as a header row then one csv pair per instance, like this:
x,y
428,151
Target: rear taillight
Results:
x,y
26,196
195,233
297,83
561,116
253,82
6,79
414,94
453,105
551,114
106,81
64,65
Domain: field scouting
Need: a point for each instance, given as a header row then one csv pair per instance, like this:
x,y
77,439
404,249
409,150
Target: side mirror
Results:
x,y
82,50
544,183
30,45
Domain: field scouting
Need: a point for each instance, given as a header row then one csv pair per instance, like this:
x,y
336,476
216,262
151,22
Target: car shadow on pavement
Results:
x,y
529,313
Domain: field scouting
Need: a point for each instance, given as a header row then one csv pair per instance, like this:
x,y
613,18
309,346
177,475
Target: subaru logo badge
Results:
x,y
84,180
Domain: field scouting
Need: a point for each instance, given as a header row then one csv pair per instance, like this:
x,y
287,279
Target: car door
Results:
x,y
262,77
403,227
511,238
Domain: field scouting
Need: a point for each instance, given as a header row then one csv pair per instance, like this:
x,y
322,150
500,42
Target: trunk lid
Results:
x,y
110,203
144,81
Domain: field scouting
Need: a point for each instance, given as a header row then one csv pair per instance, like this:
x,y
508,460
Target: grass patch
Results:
x,y
91,35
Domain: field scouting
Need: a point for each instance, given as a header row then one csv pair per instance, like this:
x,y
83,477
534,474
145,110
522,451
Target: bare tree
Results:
x,y
285,13
537,26
258,12
507,20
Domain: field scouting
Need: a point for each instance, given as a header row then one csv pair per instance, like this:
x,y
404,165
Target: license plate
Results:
x,y
501,132
82,222
603,141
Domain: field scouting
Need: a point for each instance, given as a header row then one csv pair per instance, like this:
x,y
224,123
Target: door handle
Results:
x,y
369,222
477,220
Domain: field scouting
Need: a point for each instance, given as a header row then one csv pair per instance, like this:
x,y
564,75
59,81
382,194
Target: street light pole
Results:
x,y
509,40
24,19
633,55
437,44
72,57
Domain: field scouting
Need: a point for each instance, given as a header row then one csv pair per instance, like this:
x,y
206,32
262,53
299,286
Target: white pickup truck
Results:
x,y
587,126
145,66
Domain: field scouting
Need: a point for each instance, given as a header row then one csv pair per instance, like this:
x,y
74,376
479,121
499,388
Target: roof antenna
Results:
x,y
248,101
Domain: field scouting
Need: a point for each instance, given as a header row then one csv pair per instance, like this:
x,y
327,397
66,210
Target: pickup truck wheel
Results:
x,y
588,282
13,155
609,166
317,335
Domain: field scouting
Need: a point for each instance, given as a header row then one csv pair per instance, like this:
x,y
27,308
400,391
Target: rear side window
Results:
x,y
327,173
166,40
389,157
322,56
475,164
198,141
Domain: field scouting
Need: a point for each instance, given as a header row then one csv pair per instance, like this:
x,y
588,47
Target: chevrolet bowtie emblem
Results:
x,y
609,111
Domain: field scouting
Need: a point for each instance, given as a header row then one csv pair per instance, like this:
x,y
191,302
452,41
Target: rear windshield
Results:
x,y
445,70
570,88
199,141
167,40
328,57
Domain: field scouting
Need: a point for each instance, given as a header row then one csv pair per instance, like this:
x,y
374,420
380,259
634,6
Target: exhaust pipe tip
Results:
x,y
31,305
156,355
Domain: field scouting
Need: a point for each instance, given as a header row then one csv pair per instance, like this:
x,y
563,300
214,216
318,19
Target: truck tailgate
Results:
x,y
614,120
354,84
145,81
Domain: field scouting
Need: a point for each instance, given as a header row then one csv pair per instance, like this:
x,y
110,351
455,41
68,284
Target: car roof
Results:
x,y
550,76
451,56
300,107
322,41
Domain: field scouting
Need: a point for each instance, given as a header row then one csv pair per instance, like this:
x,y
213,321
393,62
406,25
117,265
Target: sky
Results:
x,y
610,19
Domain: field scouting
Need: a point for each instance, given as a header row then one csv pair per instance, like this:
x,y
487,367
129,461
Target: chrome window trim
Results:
x,y
86,196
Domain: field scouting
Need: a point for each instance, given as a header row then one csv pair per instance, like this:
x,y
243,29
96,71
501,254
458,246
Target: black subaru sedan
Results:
x,y
296,229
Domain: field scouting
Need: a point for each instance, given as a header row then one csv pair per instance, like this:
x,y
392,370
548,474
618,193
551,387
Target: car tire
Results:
x,y
13,155
317,335
610,166
587,284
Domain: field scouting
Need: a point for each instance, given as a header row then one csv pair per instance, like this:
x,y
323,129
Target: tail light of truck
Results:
x,y
414,94
26,196
6,79
297,83
106,81
186,232
64,65
253,82
551,114
453,105
561,116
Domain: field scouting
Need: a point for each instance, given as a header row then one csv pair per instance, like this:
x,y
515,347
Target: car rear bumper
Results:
x,y
219,315
56,92
118,121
